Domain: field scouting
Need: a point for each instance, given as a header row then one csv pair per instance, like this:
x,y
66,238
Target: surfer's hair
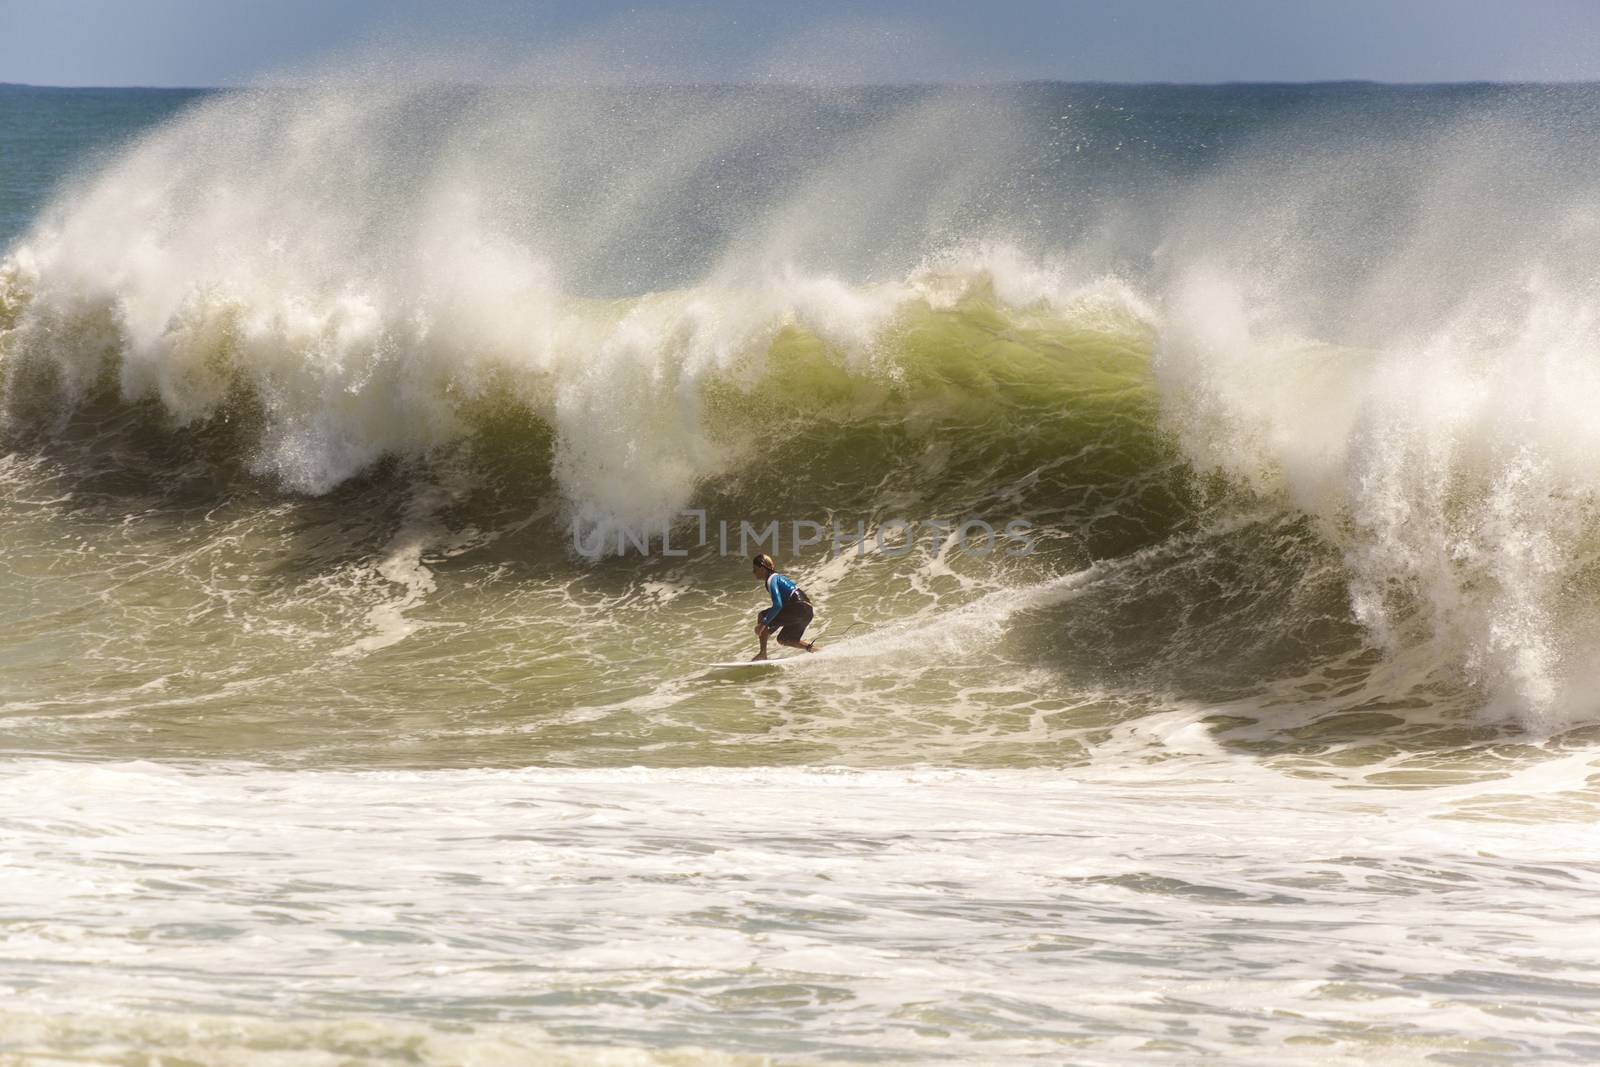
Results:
x,y
765,561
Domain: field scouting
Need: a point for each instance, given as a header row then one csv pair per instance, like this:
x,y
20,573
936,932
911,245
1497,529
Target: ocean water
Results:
x,y
380,459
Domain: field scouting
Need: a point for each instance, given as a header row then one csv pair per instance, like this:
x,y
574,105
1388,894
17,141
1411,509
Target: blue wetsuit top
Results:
x,y
782,588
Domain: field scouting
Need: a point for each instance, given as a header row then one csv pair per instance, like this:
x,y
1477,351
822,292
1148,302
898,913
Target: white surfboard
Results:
x,y
731,664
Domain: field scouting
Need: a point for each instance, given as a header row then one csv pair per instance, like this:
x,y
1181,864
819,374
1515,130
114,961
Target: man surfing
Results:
x,y
791,609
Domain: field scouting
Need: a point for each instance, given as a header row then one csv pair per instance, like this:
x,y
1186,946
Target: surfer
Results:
x,y
791,609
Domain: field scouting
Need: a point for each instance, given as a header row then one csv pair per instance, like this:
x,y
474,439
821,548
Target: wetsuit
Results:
x,y
791,609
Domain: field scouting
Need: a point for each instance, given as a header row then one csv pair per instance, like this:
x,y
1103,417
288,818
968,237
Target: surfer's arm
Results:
x,y
777,599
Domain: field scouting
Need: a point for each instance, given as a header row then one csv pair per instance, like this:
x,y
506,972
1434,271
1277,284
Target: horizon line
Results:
x,y
751,84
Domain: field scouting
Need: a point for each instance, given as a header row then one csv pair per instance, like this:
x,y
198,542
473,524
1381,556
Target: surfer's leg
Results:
x,y
795,627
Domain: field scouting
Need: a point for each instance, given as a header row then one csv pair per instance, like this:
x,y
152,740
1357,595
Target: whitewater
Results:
x,y
366,439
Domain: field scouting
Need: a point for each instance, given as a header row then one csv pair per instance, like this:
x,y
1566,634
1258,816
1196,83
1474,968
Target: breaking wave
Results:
x,y
1305,414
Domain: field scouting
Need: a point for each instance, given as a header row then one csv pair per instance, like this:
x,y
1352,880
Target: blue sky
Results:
x,y
231,42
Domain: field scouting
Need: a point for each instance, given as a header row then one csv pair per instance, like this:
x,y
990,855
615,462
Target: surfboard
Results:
x,y
732,664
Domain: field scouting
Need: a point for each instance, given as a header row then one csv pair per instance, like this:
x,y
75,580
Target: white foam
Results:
x,y
1431,404
998,915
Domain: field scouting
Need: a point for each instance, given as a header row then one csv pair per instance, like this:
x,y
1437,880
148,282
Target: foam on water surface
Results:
x,y
1201,906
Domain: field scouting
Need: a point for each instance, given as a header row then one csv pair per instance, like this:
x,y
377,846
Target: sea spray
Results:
x,y
1402,343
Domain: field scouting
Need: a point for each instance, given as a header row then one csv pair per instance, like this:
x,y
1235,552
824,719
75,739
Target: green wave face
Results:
x,y
459,576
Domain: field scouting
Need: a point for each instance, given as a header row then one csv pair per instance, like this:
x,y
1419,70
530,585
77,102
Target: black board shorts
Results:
x,y
792,620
